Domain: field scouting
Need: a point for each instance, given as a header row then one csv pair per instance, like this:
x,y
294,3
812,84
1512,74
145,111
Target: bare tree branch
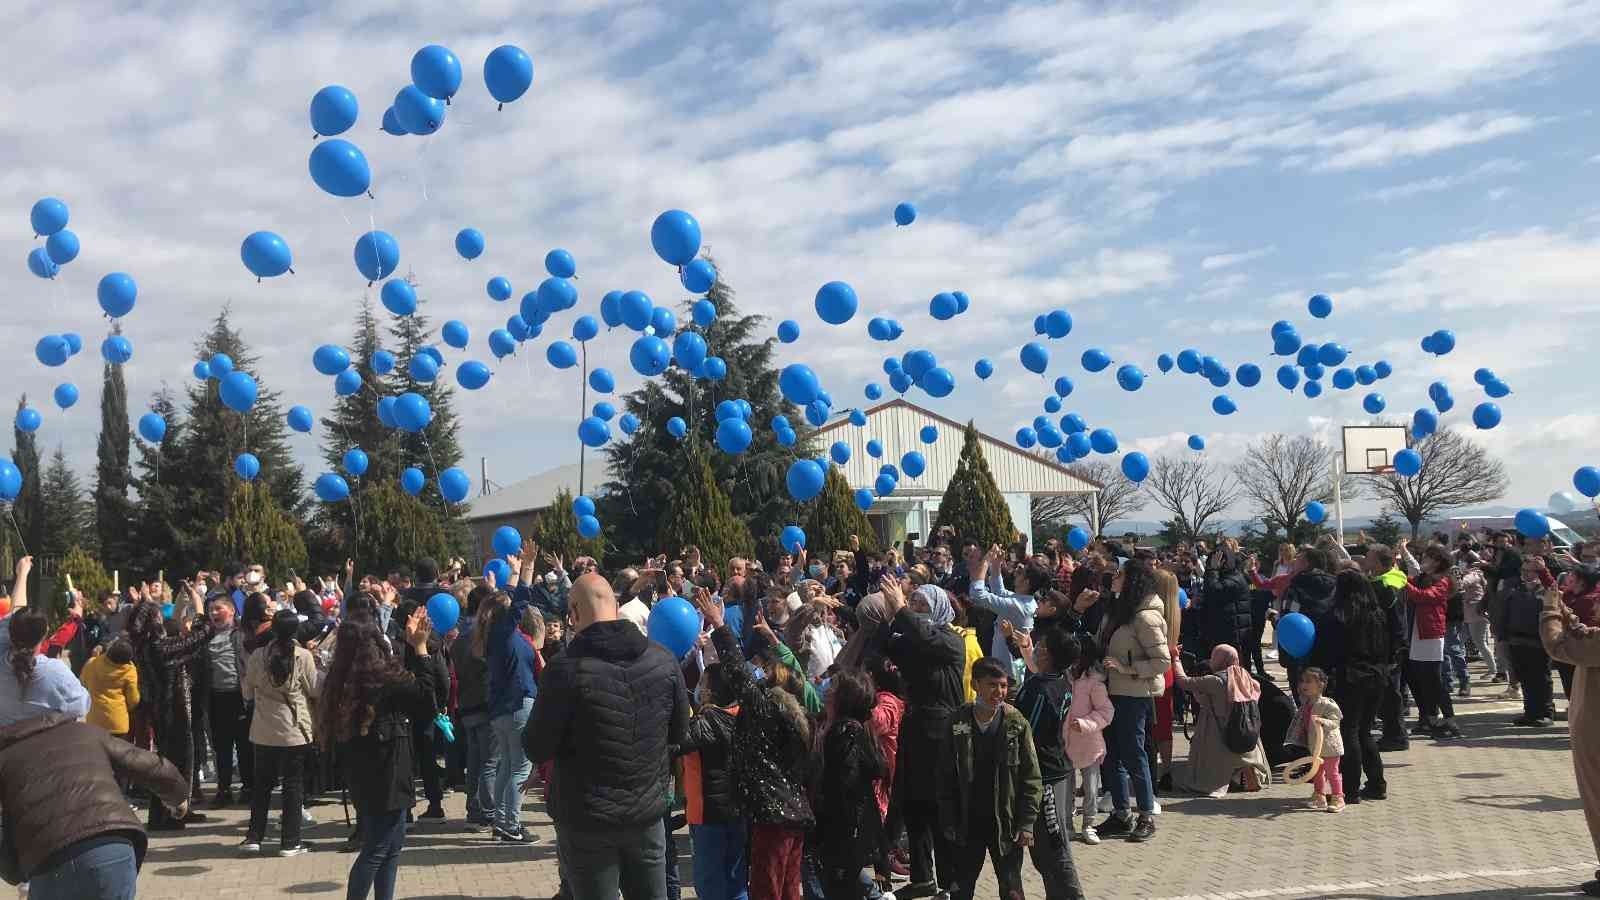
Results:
x,y
1192,490
1119,497
1455,472
1281,474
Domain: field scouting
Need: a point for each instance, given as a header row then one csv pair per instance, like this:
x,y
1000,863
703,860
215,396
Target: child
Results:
x,y
716,825
1087,717
113,685
989,792
1044,699
1321,713
849,826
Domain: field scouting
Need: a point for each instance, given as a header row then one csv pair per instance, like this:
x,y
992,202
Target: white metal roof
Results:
x,y
898,423
532,493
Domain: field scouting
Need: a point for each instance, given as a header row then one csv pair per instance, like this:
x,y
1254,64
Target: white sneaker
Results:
x,y
1090,836
1156,811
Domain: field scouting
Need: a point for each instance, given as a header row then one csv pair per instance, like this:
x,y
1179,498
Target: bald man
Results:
x,y
609,708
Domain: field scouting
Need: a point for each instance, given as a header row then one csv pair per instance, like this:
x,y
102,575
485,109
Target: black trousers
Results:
x,y
1360,703
1532,666
1052,843
1429,691
432,773
1392,708
969,865
271,763
230,735
1260,602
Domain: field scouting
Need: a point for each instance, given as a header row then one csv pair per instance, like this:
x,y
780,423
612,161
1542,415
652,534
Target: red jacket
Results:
x,y
1430,603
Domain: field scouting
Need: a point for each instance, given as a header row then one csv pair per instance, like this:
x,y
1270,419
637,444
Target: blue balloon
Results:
x,y
1366,375
443,612
1136,466
602,381
10,480
391,124
1219,376
40,263
330,359
66,395
689,349
423,368
28,419
246,466
589,529
1297,634
386,407
1532,523
48,216
1316,512
238,391
584,328
1486,415
412,481
519,327
858,418
675,235
1313,389
1382,368
1223,405
1373,403
454,484
1248,375
1344,379
698,276
1587,481
117,294
918,363
713,369
836,303
1094,359
1497,389
1196,442
469,243
788,331
730,409
1188,361
398,296
804,480
629,423
798,384
885,484
473,374
943,306
437,72
355,461
1035,358
1078,444
455,334
733,435
913,464
1103,440
1026,438
1077,538
1130,377
649,355
904,214
501,343
340,168
817,413
1063,386
663,322
411,410
1408,463
500,570
417,112
333,110
265,254
507,541
1320,306
963,302
507,73
839,452
875,448
938,382
556,294
594,432
74,342
1286,344
1443,341
1314,372
983,368
1483,376
1164,362
1072,423
880,329
1058,323
561,355
1423,423
52,350
62,247
704,313
348,382
152,427
636,308
299,418
1331,354
377,254
863,499
560,264
116,349
499,287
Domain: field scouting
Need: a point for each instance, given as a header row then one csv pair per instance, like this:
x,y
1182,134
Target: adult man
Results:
x,y
224,667
1388,583
609,709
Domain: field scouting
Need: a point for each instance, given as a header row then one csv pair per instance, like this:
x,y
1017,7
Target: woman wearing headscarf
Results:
x,y
870,637
1211,766
930,656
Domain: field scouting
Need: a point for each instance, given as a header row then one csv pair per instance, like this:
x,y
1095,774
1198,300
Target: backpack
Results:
x,y
1242,729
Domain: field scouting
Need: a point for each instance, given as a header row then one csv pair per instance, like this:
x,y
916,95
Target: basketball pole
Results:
x,y
1338,495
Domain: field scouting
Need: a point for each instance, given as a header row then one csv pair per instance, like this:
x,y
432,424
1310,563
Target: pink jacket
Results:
x,y
1091,706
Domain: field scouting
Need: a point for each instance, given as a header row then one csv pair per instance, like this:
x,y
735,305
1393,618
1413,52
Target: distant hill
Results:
x,y
1583,521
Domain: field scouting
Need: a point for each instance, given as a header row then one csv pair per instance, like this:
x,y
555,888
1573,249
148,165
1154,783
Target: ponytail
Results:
x,y
27,627
280,653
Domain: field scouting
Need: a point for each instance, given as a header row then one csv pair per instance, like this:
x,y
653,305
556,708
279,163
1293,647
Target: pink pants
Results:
x,y
1329,781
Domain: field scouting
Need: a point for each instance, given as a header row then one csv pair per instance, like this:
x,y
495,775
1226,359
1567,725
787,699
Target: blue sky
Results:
x,y
1174,176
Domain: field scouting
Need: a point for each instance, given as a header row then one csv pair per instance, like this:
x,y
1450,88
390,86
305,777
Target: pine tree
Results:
x,y
113,512
436,448
88,577
1385,529
28,509
254,528
555,529
972,504
67,518
835,516
396,529
697,513
647,465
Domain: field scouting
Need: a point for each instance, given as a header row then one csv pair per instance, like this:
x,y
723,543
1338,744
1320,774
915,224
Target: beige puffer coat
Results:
x,y
1141,651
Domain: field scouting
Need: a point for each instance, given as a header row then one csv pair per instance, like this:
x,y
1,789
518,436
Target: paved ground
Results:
x,y
1495,815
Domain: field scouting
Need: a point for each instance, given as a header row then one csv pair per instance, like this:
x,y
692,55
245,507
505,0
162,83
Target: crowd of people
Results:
x,y
849,724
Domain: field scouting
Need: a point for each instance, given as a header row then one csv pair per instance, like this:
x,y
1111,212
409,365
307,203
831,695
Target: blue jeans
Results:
x,y
383,834
721,865
598,864
1455,655
1125,756
483,758
512,768
108,871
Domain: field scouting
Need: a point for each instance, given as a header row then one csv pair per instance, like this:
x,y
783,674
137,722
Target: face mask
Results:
x,y
816,571
252,578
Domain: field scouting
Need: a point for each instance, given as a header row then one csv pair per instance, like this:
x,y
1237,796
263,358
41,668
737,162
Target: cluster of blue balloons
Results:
x,y
55,349
1440,342
919,368
583,509
1491,384
1055,324
49,219
946,305
733,427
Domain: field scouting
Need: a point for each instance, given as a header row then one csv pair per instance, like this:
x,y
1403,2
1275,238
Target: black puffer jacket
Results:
x,y
848,826
608,710
380,760
1227,610
931,660
1310,593
58,787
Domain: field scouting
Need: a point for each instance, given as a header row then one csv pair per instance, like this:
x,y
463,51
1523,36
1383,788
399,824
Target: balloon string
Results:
x,y
429,447
20,540
422,171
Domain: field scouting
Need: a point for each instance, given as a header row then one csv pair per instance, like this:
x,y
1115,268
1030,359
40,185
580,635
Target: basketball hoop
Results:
x,y
1382,470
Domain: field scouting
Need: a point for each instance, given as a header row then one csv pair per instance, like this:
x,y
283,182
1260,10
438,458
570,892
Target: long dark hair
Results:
x,y
1089,656
362,667
1138,584
280,653
1352,592
27,628
145,626
362,606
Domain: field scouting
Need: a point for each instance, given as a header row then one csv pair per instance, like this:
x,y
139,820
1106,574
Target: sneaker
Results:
x,y
434,811
520,836
249,845
1143,831
222,799
1511,693
296,850
194,818
1090,836
1498,678
1423,727
306,819
1318,802
1336,804
1394,745
1353,799
899,872
1115,826
1447,730
1371,792
1155,808
1466,690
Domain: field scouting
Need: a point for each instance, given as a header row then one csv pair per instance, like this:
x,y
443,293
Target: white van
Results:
x,y
1560,534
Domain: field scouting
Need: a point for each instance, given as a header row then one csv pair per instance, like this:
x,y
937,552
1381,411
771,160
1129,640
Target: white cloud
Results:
x,y
1226,260
1490,169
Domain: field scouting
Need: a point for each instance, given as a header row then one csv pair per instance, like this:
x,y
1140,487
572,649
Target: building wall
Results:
x,y
483,532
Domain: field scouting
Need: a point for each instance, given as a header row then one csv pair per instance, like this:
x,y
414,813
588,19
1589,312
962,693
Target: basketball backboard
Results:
x,y
1370,449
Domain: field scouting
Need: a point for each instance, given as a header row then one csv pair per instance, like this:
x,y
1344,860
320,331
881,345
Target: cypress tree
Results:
x,y
835,516
972,504
113,513
254,528
164,536
88,576
67,518
555,528
697,513
28,509
354,420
